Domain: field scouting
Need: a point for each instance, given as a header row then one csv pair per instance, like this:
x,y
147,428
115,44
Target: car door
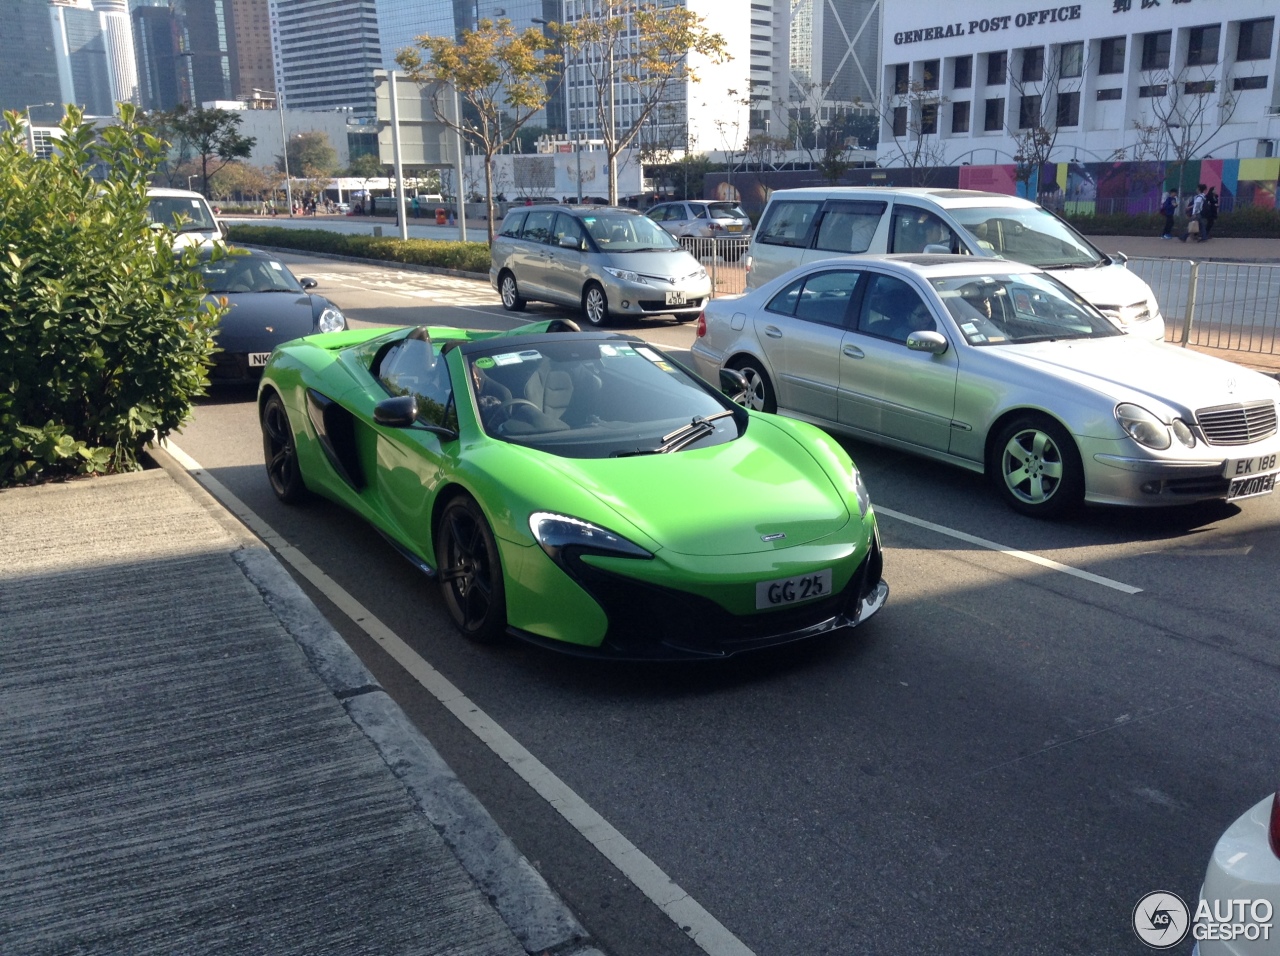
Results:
x,y
567,267
529,260
887,389
919,230
800,331
782,238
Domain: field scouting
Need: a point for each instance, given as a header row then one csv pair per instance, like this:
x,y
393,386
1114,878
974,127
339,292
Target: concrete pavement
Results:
x,y
193,761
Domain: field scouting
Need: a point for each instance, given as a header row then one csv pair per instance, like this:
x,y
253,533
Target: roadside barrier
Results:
x,y
1220,305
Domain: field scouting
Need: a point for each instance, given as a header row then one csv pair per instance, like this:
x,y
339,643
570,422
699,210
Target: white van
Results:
x,y
802,225
187,214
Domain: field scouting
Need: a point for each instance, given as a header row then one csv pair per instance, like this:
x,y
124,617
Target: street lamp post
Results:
x,y
31,132
284,146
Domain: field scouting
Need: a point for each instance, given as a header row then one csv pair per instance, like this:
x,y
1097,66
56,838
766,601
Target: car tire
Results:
x,y
512,301
280,451
470,571
595,306
759,396
1036,467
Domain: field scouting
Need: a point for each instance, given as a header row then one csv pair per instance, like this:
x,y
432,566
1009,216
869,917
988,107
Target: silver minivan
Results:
x,y
804,225
604,260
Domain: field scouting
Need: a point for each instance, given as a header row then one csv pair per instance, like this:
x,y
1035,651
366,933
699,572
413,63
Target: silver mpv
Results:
x,y
604,260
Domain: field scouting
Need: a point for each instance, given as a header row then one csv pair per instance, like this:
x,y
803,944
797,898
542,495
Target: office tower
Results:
x,y
30,74
80,52
325,54
154,33
204,58
121,58
252,66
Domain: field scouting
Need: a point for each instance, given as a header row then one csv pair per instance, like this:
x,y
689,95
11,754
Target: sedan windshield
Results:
x,y
1011,309
181,213
233,274
1033,236
595,399
627,232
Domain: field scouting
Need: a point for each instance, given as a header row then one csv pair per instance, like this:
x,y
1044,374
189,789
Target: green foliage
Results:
x,y
209,138
104,337
462,256
311,156
366,166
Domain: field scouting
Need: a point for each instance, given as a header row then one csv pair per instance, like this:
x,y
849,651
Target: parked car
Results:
x,y
532,473
997,367
1245,866
722,221
603,260
804,225
187,214
267,306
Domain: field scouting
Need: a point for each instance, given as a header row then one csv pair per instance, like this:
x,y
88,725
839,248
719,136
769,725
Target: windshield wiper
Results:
x,y
1072,265
699,427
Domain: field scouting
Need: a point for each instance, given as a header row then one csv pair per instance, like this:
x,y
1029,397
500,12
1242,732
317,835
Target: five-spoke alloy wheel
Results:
x,y
1037,467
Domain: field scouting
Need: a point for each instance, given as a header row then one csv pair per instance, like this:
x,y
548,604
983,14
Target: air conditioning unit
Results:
x,y
1266,148
1273,110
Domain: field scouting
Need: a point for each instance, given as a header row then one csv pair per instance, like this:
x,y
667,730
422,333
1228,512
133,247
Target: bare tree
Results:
x,y
912,116
1186,109
1046,84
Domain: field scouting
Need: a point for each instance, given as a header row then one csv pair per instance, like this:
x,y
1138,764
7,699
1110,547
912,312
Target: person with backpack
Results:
x,y
1209,214
1195,212
1169,208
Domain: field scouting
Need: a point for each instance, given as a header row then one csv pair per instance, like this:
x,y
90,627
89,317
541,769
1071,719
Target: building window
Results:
x,y
959,117
1202,45
1155,50
1199,87
1152,92
931,74
928,119
1111,55
899,121
1033,64
1071,60
1249,83
963,73
901,78
994,120
1255,39
1068,109
997,67
1108,94
1029,112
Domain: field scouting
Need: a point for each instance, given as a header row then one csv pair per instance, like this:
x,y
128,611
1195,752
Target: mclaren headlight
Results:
x,y
331,320
860,490
1143,427
561,534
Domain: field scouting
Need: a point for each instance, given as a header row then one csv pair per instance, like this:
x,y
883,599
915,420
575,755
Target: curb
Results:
x,y
533,912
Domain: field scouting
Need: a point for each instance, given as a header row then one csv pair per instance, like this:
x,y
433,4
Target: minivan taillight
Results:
x,y
1273,832
702,331
747,263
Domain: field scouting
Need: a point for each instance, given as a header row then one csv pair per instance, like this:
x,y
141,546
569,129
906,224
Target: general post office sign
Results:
x,y
988,24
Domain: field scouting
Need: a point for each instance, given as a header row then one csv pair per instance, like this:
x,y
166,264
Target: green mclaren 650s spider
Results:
x,y
579,490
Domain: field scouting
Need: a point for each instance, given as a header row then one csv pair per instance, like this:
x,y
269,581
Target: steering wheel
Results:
x,y
511,404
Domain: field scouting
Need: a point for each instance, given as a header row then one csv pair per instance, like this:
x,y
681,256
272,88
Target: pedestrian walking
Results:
x,y
417,211
1210,214
1169,209
1195,212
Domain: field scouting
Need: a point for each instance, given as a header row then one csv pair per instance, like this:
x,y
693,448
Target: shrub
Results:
x,y
104,340
462,256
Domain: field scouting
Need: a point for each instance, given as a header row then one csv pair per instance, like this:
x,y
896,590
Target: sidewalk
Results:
x,y
1218,250
193,761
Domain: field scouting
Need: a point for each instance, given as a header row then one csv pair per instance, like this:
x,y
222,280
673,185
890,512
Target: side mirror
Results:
x,y
307,282
932,342
734,384
937,249
223,229
569,242
398,412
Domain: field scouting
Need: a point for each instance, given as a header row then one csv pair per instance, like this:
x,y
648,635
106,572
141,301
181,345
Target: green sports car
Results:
x,y
579,490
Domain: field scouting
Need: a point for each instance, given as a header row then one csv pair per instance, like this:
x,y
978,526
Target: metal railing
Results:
x,y
724,258
1219,305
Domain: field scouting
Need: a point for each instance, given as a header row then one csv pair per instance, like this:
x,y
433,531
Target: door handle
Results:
x,y
773,331
854,352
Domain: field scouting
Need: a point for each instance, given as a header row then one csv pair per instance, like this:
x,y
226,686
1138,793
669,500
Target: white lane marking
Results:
x,y
1012,552
703,928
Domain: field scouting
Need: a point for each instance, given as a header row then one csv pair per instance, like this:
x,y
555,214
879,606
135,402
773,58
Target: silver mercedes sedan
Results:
x,y
999,368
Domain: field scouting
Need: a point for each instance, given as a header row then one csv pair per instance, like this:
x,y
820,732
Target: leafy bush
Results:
x,y
104,340
462,256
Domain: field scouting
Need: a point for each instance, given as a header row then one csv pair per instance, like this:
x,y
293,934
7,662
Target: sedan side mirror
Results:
x,y
734,384
308,283
933,342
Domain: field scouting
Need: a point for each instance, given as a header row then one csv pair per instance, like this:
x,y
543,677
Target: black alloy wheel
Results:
x,y
281,452
471,571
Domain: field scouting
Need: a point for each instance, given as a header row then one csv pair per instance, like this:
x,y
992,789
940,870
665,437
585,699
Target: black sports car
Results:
x,y
267,306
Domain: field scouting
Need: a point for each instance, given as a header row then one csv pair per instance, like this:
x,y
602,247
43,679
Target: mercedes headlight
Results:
x,y
626,275
557,534
1182,431
331,320
1143,427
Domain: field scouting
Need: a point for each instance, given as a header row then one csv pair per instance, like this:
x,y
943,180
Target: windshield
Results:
x,y
594,399
627,232
1033,236
182,213
1007,310
726,210
247,274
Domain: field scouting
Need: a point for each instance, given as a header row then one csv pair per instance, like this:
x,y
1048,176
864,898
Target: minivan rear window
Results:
x,y
787,222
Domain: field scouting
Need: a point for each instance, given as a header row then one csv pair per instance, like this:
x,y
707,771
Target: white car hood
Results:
x,y
1127,369
1107,287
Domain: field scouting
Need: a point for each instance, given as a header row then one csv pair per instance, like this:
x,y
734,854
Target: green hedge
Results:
x,y
462,256
1245,222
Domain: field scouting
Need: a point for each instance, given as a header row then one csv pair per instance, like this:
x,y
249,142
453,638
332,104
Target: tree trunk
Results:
x,y
488,192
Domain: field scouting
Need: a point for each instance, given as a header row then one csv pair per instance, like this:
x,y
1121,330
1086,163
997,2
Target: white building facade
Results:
x,y
1101,80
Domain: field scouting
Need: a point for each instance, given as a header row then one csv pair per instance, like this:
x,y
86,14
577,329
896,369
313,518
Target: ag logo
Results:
x,y
1161,920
